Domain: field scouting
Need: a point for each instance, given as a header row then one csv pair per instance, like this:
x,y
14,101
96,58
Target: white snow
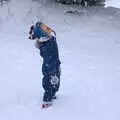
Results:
x,y
89,47
114,3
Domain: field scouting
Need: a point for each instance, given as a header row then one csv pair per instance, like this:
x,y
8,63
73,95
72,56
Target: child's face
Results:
x,y
45,28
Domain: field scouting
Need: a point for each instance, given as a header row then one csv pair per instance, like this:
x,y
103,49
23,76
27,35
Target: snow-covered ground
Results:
x,y
89,47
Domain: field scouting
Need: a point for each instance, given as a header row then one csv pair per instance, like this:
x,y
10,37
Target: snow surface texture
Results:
x,y
89,45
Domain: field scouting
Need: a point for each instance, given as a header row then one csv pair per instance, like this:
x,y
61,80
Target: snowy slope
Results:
x,y
89,48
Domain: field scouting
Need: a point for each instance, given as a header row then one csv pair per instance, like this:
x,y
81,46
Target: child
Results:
x,y
46,42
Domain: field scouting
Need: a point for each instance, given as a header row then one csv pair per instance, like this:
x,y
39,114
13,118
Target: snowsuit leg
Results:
x,y
51,85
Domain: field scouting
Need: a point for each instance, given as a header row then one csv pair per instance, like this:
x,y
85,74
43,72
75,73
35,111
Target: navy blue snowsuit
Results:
x,y
50,68
51,64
